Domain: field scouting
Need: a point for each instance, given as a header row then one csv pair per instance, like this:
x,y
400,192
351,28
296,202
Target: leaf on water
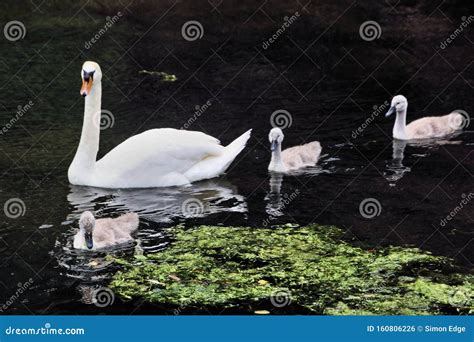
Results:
x,y
156,282
174,277
262,312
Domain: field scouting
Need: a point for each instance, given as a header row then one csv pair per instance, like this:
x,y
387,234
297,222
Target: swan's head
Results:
x,y
90,74
399,104
276,137
87,224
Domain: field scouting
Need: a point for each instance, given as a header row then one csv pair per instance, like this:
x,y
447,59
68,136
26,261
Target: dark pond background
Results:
x,y
320,70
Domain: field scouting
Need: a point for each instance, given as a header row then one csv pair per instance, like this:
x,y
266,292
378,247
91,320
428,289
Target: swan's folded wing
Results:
x,y
160,151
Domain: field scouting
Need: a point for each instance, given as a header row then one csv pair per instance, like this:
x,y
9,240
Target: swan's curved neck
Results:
x,y
276,164
400,125
86,154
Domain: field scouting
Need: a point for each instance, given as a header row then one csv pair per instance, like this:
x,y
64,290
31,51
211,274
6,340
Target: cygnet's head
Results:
x,y
276,137
86,225
399,104
90,74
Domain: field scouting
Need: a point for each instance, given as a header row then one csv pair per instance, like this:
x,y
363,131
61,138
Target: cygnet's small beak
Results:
x,y
391,111
274,145
89,242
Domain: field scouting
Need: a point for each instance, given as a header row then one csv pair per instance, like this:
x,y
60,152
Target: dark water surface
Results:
x,y
319,70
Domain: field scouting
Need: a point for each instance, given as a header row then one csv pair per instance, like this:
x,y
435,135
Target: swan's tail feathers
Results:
x,y
234,148
128,221
214,166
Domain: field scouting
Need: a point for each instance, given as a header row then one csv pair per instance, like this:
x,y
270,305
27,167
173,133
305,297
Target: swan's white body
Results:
x,y
424,128
105,232
154,158
293,158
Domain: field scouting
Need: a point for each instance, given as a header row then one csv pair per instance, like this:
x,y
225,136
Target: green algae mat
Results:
x,y
311,268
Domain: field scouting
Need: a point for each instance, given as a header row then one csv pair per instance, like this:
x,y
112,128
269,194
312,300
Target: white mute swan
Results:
x,y
95,234
154,158
292,158
424,128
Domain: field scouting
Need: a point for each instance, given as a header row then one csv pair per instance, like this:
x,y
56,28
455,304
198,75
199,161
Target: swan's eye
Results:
x,y
88,75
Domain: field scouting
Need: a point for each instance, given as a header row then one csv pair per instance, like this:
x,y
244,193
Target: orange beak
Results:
x,y
86,87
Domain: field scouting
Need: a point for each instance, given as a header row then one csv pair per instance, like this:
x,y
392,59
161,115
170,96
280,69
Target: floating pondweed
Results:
x,y
165,77
248,268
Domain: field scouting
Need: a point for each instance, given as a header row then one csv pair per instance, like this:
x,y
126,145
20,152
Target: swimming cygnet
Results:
x,y
292,158
96,234
424,128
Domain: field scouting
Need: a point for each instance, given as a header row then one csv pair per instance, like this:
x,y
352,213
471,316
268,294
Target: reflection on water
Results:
x,y
161,205
395,167
275,205
276,201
